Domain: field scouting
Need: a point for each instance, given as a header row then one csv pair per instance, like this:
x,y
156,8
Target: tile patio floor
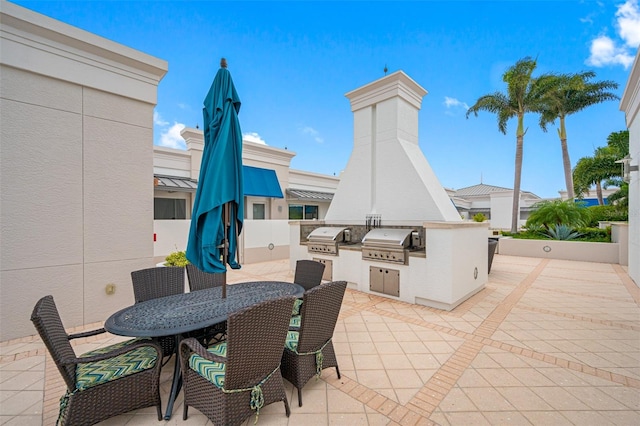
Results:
x,y
547,342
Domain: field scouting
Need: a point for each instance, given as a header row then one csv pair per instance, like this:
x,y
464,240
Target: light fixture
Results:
x,y
627,168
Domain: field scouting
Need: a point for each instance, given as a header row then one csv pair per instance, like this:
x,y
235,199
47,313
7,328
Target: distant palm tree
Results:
x,y
566,94
602,167
522,97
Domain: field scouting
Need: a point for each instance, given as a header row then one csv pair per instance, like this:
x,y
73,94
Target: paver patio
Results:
x,y
547,342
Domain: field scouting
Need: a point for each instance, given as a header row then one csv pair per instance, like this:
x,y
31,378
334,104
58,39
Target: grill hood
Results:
x,y
327,234
387,237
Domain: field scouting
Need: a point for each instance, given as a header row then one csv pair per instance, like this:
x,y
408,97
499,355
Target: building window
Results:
x,y
300,212
295,212
169,208
258,211
310,212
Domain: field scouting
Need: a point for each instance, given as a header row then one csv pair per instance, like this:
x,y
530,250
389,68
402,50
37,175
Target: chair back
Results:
x,y
200,280
157,282
320,309
46,319
308,273
255,341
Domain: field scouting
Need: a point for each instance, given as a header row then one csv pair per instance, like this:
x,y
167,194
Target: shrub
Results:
x,y
177,258
607,213
479,217
558,212
595,235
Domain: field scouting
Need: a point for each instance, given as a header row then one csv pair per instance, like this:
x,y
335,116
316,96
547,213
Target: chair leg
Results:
x,y
286,406
159,410
185,408
299,397
338,371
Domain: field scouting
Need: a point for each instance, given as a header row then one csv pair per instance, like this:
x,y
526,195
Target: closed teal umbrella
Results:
x,y
218,209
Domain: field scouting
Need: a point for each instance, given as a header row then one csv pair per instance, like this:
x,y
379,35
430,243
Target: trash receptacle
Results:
x,y
493,244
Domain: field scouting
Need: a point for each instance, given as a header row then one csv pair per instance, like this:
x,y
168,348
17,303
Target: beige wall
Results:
x,y
630,104
76,169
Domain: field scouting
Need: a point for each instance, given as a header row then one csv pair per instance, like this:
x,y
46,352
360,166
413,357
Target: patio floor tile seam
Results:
x,y
440,384
631,287
498,315
579,317
376,401
581,294
518,350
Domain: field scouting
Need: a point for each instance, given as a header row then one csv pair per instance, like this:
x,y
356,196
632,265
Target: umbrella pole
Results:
x,y
225,250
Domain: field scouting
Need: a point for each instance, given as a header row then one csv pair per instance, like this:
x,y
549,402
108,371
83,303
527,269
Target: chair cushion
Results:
x,y
96,373
292,340
296,307
295,321
210,370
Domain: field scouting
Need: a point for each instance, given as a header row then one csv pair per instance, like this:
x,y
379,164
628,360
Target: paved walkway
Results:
x,y
547,342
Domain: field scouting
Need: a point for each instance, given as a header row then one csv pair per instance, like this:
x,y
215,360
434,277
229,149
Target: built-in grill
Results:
x,y
326,239
389,244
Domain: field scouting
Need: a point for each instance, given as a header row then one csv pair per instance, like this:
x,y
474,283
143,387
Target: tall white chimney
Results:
x,y
387,173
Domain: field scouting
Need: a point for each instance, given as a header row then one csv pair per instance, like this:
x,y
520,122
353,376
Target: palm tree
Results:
x,y
602,167
566,94
522,97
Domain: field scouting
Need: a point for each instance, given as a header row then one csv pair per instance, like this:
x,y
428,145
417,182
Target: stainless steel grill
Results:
x,y
326,239
387,245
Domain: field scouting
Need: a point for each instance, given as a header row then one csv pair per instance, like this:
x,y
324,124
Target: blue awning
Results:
x,y
261,182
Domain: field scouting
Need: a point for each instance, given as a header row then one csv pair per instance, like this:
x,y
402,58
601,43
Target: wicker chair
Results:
x,y
308,273
102,383
157,282
309,349
200,280
242,373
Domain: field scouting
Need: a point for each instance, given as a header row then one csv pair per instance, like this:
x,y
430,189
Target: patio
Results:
x,y
550,342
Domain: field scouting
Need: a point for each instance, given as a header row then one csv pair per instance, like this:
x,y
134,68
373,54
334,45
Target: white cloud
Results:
x,y
454,103
629,23
157,119
607,51
253,137
454,106
313,133
170,137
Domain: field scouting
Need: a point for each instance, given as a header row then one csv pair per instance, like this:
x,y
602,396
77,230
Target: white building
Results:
x,y
274,194
630,104
494,202
76,193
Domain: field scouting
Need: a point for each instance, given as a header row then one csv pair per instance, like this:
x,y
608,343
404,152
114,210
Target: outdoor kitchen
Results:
x,y
391,229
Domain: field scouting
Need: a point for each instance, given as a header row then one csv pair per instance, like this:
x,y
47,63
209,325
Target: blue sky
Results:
x,y
292,63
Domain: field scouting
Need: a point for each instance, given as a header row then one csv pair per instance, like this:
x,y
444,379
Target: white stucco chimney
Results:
x,y
387,173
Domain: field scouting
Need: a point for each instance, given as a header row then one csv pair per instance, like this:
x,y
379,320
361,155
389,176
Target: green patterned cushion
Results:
x,y
296,307
113,347
292,340
295,321
210,370
96,373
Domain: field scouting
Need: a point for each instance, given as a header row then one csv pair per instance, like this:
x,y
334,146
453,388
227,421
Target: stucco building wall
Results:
x,y
75,172
630,104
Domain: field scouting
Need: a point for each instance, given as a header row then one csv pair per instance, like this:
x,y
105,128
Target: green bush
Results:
x,y
177,258
479,217
558,212
607,213
593,235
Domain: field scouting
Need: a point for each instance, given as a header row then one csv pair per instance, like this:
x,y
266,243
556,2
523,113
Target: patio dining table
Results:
x,y
187,312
